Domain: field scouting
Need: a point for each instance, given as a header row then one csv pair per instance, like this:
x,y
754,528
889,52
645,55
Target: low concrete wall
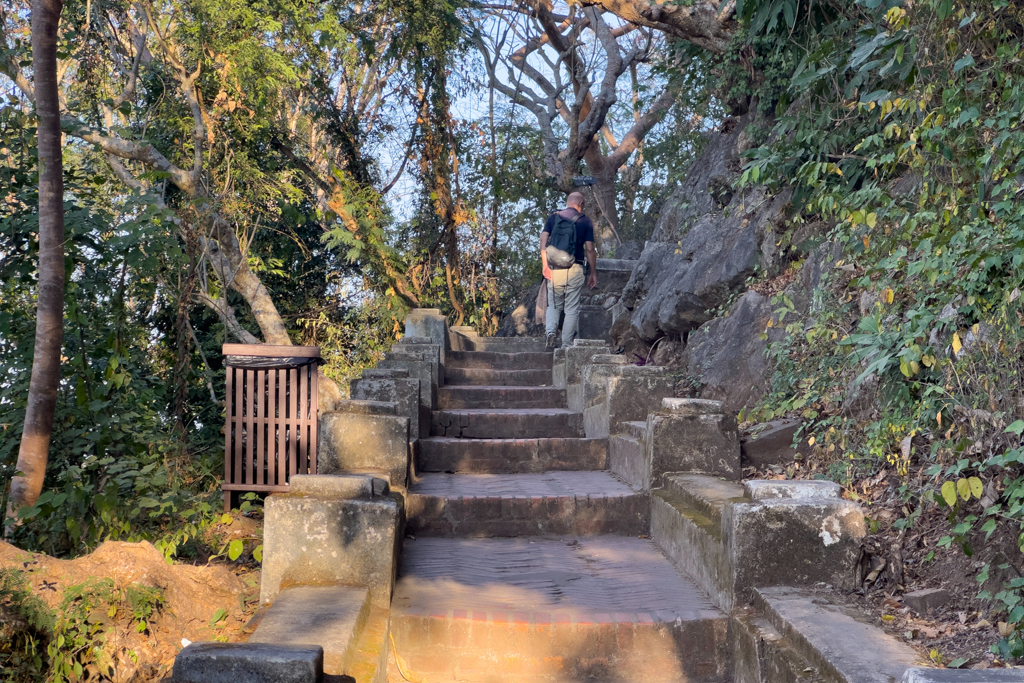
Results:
x,y
315,535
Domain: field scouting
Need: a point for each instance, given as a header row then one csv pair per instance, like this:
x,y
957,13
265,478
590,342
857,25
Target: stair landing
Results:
x,y
608,607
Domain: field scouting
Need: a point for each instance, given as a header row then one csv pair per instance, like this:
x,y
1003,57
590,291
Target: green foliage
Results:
x,y
906,139
26,626
116,470
86,615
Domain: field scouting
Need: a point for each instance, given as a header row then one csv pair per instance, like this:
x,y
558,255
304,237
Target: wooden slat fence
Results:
x,y
270,416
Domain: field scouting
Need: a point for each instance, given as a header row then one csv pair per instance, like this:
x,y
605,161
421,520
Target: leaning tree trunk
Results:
x,y
42,389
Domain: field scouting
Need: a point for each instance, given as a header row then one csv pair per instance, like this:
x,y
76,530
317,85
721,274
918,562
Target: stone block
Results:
x,y
248,663
417,368
758,489
357,442
613,394
318,541
432,352
770,443
363,407
830,639
383,373
691,435
402,391
331,617
922,675
794,542
923,601
429,322
580,354
462,337
346,486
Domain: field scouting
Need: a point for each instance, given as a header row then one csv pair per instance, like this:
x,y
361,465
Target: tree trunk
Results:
x,y
45,381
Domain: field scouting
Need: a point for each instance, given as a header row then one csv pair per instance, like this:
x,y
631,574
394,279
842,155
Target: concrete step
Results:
x,y
526,360
496,423
500,397
332,617
637,430
686,523
504,344
760,654
543,610
490,377
553,503
705,494
511,456
626,453
837,640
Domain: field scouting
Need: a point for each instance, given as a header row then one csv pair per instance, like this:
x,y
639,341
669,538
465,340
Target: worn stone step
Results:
x,y
552,503
626,453
542,610
637,430
504,344
760,654
497,423
333,617
496,360
705,494
500,397
694,544
686,523
491,377
841,646
511,456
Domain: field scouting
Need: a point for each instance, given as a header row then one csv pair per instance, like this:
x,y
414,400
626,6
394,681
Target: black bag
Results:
x,y
561,248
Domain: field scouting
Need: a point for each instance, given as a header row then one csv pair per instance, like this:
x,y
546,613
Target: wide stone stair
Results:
x,y
525,558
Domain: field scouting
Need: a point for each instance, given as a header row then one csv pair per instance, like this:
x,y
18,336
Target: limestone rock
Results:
x,y
770,443
701,192
676,284
727,357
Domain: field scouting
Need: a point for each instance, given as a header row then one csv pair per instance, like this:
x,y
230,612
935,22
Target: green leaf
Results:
x,y
957,663
976,487
218,617
1016,427
871,219
963,488
235,549
257,553
949,493
226,519
963,63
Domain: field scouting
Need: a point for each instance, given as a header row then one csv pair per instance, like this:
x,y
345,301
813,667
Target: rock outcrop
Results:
x,y
708,241
726,356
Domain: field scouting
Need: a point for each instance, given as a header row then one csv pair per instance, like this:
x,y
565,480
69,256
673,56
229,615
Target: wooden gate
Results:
x,y
270,416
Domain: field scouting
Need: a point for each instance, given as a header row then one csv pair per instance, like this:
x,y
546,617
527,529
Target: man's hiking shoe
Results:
x,y
550,344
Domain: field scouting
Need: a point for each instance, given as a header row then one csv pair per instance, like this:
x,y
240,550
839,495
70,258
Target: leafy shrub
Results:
x,y
26,626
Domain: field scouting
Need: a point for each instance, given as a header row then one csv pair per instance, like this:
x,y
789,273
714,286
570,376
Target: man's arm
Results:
x,y
544,255
592,260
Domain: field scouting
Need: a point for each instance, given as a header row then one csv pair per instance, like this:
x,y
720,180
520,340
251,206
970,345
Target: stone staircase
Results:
x,y
486,511
525,558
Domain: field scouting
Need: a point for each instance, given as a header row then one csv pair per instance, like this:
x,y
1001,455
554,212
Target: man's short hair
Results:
x,y
575,198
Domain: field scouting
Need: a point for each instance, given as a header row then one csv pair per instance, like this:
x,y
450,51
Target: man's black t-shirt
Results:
x,y
584,231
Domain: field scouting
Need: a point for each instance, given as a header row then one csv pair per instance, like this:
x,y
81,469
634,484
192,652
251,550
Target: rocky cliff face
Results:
x,y
709,240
